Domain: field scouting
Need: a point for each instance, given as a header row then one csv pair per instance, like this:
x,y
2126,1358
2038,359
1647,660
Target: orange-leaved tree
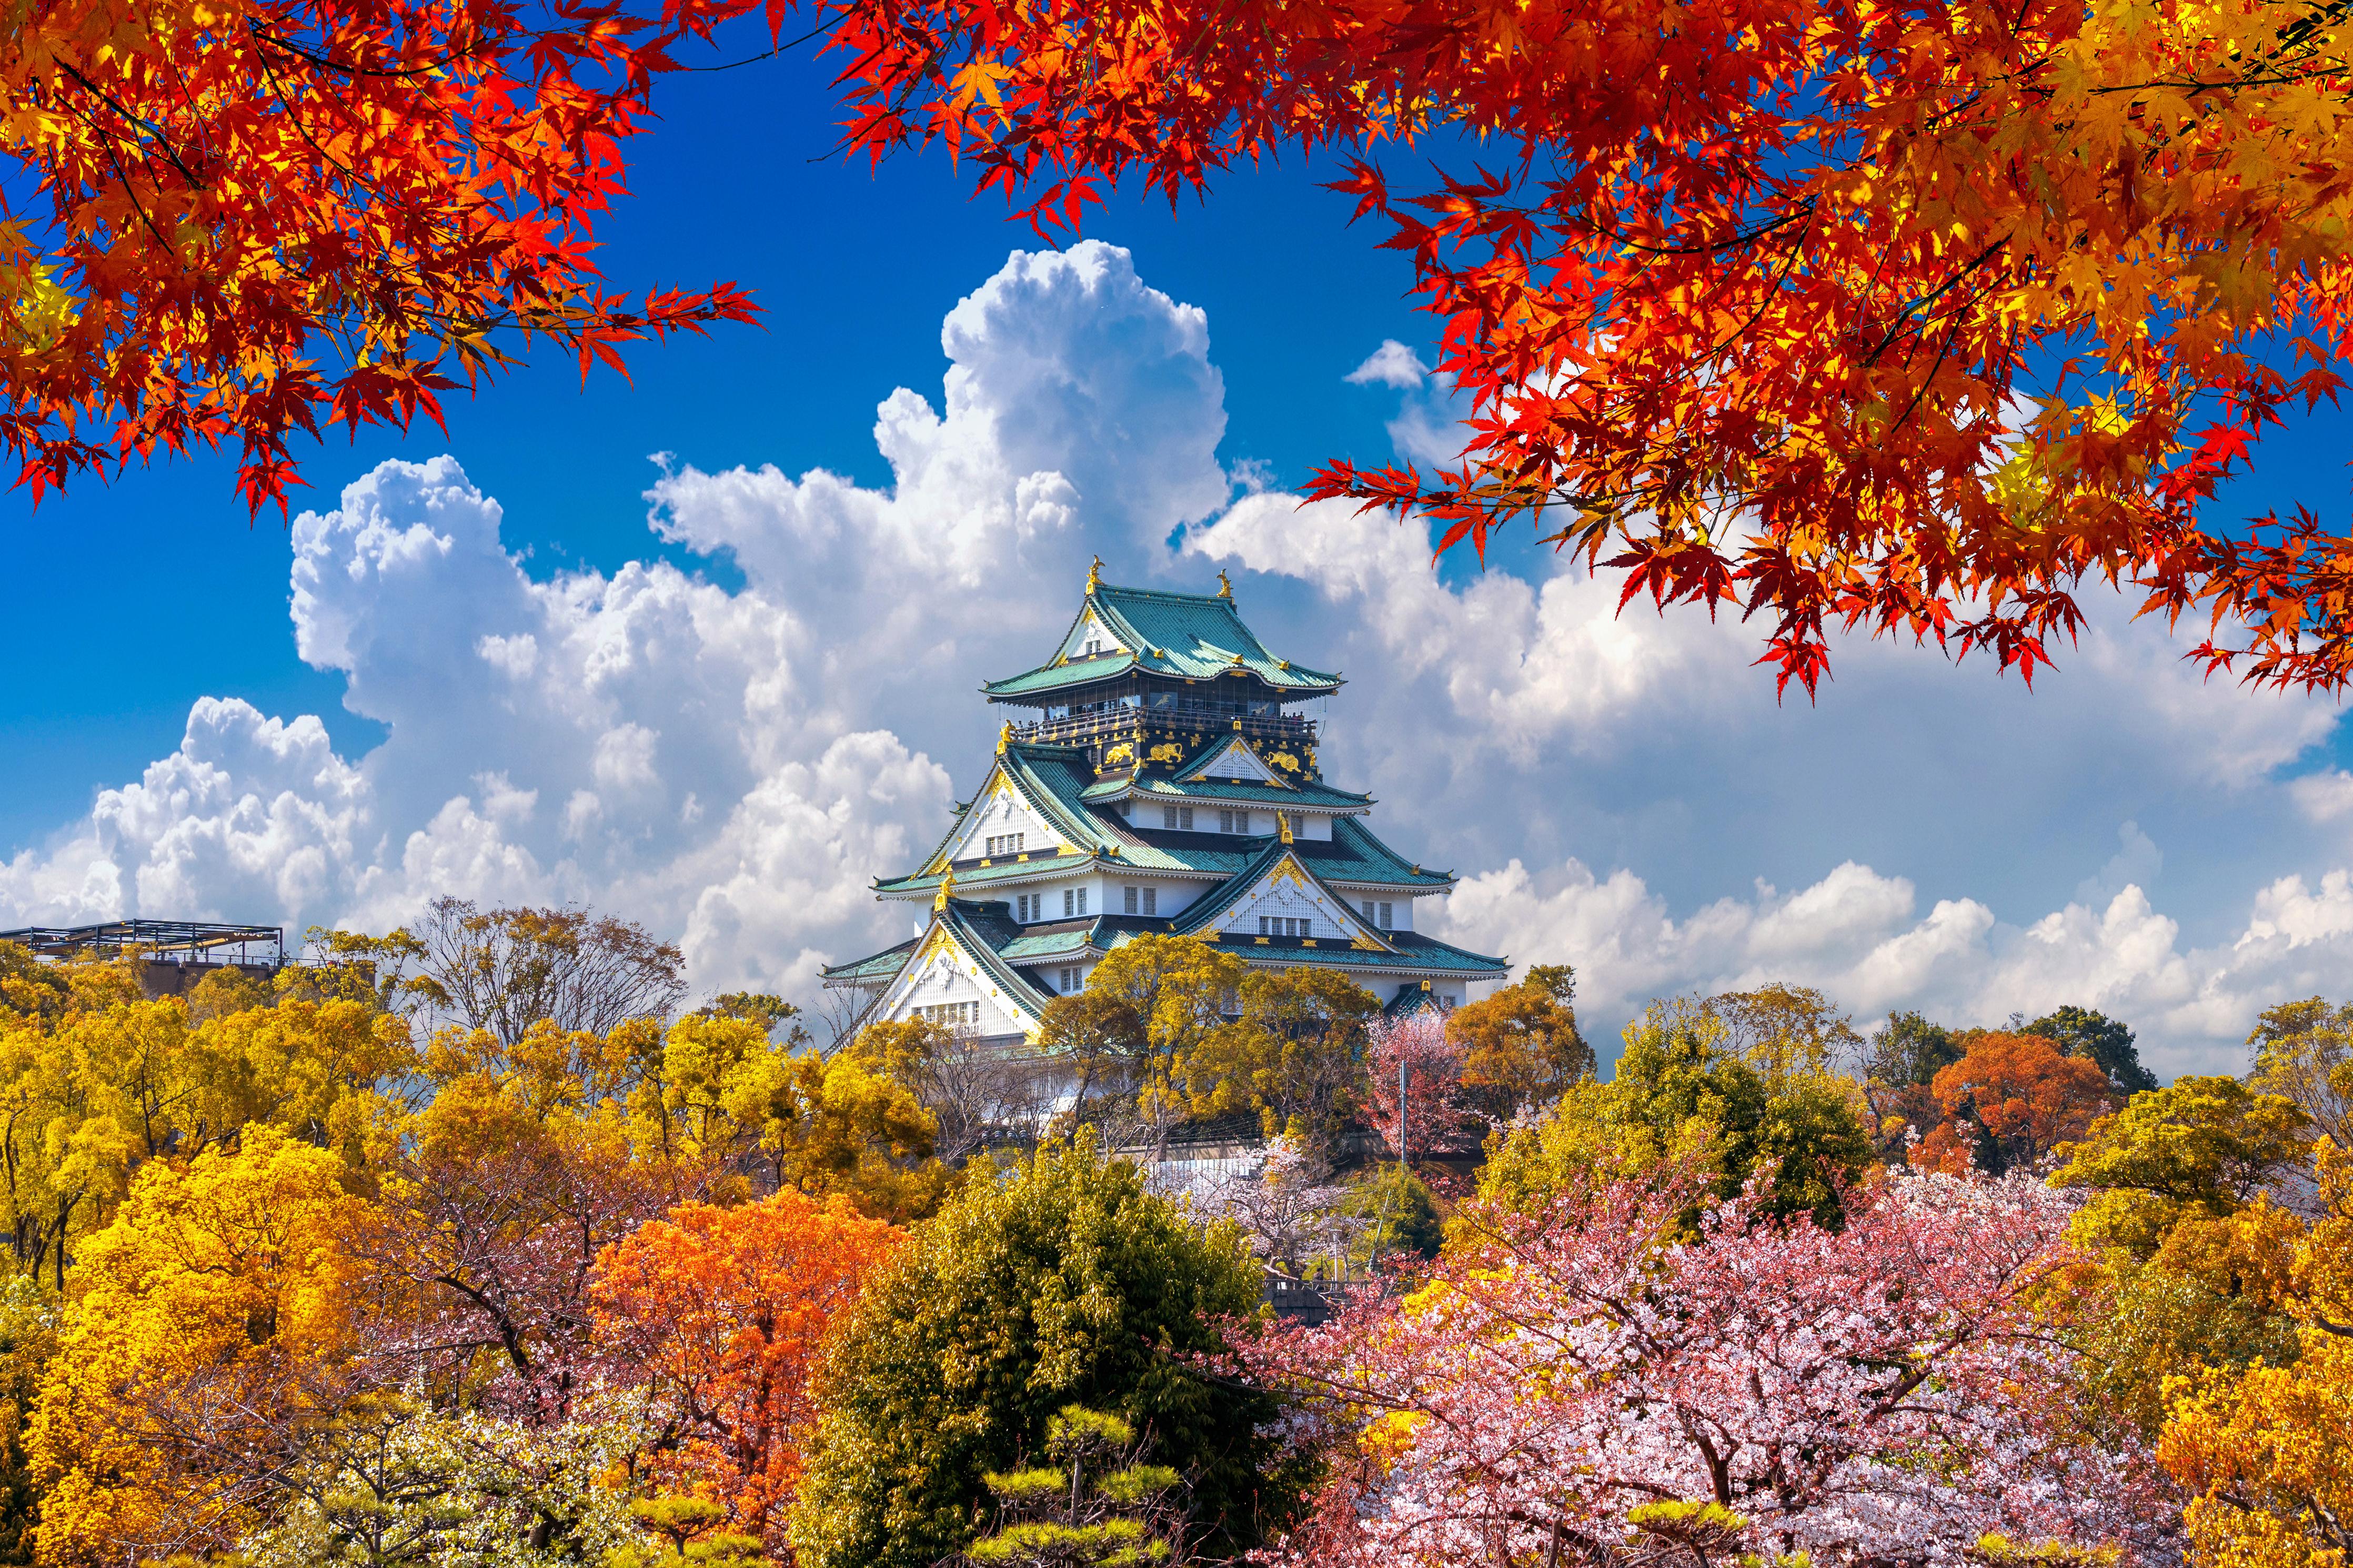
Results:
x,y
719,1313
235,220
1912,318
2009,1101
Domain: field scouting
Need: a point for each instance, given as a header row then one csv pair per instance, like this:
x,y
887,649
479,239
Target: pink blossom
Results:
x,y
1883,1395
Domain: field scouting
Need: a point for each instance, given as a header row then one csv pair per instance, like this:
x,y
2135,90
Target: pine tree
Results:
x,y
1101,1507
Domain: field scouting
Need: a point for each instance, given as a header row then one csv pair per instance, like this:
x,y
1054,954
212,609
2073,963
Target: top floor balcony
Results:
x,y
1165,713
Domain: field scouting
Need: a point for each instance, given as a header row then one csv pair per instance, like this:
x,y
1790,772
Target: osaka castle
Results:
x,y
1156,776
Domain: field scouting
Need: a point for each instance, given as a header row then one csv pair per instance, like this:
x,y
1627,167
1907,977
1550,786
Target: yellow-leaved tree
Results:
x,y
216,1315
2268,1450
727,1096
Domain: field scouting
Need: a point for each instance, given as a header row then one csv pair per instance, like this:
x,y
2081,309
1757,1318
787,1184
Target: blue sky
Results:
x,y
514,689
162,593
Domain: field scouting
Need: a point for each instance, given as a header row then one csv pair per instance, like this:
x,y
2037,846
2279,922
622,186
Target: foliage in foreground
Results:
x,y
1063,1281
1586,1383
531,1293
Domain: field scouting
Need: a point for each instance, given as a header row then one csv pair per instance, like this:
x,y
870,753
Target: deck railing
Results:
x,y
1082,728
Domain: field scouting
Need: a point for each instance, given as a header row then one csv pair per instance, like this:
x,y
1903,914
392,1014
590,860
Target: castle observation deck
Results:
x,y
1145,668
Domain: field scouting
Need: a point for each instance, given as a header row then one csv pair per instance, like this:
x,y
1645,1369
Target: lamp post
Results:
x,y
1403,1068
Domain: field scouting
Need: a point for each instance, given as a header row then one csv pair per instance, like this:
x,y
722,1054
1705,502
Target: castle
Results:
x,y
1158,781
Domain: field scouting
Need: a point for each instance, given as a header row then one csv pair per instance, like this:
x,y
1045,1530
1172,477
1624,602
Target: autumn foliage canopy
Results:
x,y
236,223
1908,318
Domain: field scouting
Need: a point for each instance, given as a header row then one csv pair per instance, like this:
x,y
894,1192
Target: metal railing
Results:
x,y
1080,728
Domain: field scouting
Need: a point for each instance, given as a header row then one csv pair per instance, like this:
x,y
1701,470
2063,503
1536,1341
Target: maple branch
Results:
x,y
146,124
788,43
263,35
1805,209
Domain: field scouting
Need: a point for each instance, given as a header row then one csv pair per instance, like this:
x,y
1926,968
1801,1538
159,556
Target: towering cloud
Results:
x,y
733,766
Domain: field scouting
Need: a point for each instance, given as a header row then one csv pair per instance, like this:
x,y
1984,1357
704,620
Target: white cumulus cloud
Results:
x,y
1621,792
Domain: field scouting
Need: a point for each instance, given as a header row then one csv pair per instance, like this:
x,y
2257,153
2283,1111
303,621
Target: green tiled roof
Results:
x,y
1194,636
977,877
1352,857
1415,953
1307,796
879,966
1014,948
1196,918
1044,947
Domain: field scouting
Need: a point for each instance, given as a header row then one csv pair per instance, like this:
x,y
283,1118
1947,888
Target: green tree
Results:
x,y
1400,1214
1149,1006
764,1008
1103,1508
1910,1051
1295,1056
2098,1039
1678,1093
1064,1282
2192,1259
2304,1051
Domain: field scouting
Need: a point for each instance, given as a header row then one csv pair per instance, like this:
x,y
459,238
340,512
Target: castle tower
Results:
x,y
1156,776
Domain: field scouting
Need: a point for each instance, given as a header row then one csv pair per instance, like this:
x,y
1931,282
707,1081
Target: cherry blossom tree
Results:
x,y
1584,1387
1289,1211
1439,1113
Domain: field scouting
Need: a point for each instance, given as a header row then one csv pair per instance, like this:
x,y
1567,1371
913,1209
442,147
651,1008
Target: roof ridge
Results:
x,y
1212,906
1160,593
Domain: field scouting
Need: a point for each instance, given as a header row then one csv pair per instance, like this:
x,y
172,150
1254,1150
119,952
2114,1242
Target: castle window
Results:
x,y
1006,844
951,1015
1151,900
1384,916
1131,898
1069,981
1074,901
1176,816
1021,907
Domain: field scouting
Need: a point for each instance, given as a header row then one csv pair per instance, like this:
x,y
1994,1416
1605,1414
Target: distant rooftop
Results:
x,y
171,941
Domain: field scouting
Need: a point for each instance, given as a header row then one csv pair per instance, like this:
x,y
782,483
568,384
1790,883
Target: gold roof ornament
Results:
x,y
1225,586
947,890
1282,822
1095,575
1004,737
